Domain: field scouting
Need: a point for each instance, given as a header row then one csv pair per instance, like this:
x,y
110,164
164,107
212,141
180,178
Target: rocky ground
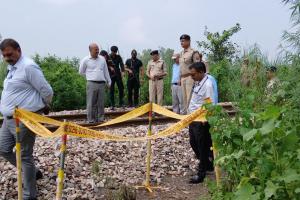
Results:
x,y
96,169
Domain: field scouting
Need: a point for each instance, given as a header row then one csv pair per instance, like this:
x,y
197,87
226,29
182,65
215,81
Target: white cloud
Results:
x,y
132,30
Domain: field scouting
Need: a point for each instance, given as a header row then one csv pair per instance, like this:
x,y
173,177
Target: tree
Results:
x,y
218,46
68,85
291,39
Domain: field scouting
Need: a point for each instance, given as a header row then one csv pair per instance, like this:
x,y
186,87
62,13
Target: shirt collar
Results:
x,y
202,81
90,57
15,66
188,49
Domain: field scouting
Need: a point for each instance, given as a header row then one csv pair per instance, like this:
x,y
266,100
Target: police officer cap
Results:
x,y
114,48
154,52
185,37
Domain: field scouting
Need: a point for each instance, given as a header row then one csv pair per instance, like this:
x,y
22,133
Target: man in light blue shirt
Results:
x,y
26,87
177,98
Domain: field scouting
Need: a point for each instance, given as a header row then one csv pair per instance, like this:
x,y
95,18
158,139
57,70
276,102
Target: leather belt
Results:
x,y
100,82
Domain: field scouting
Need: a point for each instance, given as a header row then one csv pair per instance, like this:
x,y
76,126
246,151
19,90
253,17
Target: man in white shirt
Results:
x,y
200,138
94,68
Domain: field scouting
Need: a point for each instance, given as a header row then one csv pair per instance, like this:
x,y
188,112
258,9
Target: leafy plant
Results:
x,y
218,46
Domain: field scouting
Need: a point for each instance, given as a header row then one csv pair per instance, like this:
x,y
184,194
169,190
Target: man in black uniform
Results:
x,y
134,67
116,77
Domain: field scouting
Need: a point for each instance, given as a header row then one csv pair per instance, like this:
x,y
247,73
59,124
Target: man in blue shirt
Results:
x,y
26,87
177,98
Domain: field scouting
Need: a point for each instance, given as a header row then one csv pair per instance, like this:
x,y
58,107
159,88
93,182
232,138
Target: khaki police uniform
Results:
x,y
156,87
185,60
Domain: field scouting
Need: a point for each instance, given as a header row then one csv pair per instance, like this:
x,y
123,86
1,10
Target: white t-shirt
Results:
x,y
201,90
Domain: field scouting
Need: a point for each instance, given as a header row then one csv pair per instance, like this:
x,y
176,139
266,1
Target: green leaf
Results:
x,y
290,175
297,190
272,112
270,190
249,135
289,141
267,127
244,192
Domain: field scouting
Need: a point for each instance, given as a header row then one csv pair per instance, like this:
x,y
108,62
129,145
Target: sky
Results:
x,y
66,27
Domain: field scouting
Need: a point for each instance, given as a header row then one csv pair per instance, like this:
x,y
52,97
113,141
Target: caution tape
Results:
x,y
130,115
163,111
175,128
33,122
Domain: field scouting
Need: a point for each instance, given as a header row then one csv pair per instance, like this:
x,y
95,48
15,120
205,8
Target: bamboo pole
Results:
x,y
18,158
60,175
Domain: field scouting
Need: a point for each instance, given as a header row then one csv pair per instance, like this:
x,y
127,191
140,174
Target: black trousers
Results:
x,y
133,86
200,140
116,80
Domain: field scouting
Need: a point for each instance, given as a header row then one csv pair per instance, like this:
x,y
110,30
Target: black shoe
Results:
x,y
196,179
30,199
38,175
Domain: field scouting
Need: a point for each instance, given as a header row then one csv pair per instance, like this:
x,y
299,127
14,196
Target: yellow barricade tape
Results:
x,y
41,118
79,131
31,123
175,128
163,111
31,120
130,115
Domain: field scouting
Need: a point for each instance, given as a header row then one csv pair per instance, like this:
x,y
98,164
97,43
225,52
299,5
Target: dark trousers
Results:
x,y
116,80
133,85
200,140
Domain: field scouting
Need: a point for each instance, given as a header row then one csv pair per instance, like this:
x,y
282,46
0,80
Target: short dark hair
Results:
x,y
103,53
272,69
133,50
198,66
185,37
9,43
154,52
114,49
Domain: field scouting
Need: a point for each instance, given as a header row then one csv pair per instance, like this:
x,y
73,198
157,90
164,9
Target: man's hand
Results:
x,y
112,69
46,109
130,71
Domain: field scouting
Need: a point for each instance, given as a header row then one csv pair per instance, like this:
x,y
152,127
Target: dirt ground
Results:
x,y
176,188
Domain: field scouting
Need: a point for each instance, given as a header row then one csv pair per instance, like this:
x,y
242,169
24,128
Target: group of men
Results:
x,y
191,85
26,87
102,69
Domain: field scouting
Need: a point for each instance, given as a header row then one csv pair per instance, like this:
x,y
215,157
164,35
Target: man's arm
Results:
x,y
82,67
209,93
106,73
164,73
121,64
127,67
148,71
37,80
